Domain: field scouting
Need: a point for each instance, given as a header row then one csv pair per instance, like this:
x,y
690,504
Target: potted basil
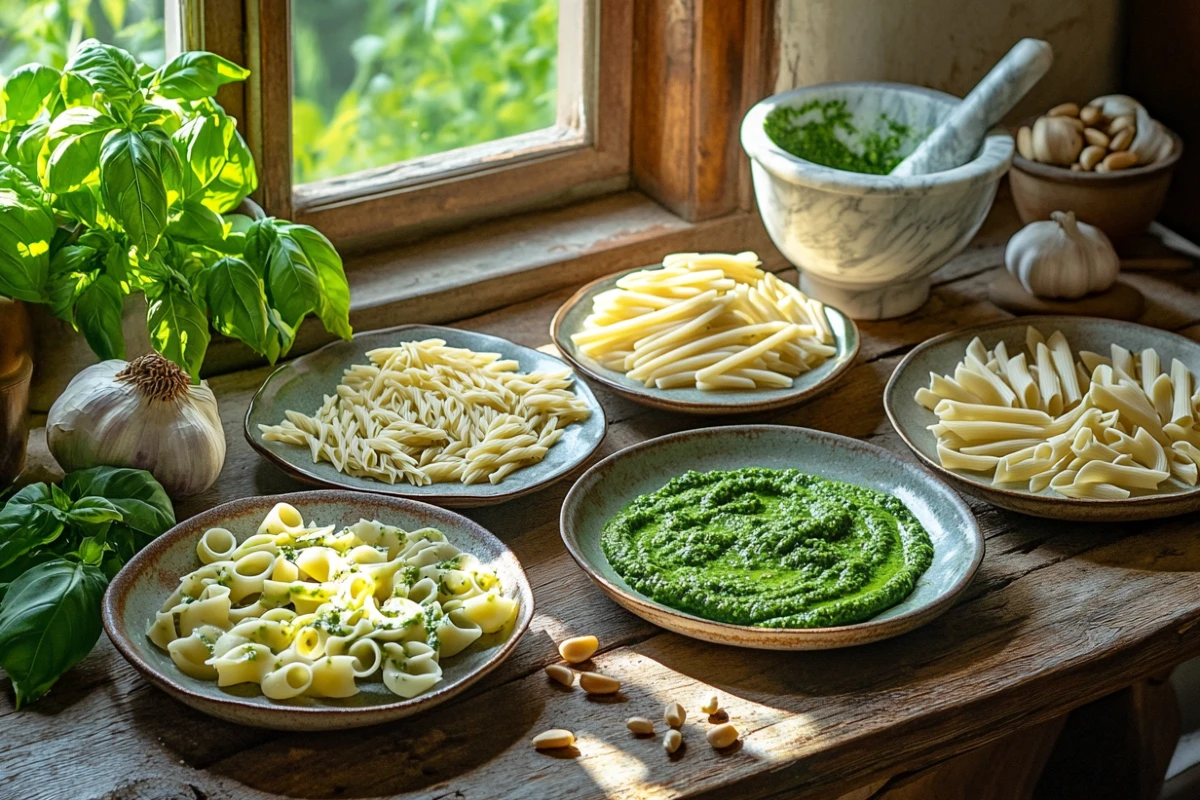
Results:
x,y
117,179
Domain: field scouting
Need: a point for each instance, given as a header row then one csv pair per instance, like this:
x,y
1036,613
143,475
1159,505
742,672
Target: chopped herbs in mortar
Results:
x,y
773,548
815,137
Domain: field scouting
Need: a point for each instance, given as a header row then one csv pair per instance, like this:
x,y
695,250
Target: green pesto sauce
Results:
x,y
773,548
814,137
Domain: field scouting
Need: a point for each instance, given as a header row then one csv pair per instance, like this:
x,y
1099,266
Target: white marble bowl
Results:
x,y
868,243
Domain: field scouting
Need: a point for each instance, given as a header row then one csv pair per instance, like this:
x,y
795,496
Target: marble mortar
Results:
x,y
867,244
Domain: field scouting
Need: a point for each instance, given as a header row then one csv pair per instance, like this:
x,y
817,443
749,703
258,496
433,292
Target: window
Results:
x,y
378,83
384,120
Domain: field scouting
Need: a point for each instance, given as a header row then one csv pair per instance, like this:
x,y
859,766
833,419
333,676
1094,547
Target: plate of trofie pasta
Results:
x,y
438,414
1062,417
705,333
319,610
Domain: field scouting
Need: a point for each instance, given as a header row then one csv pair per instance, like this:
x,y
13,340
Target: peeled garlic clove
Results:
x,y
1056,141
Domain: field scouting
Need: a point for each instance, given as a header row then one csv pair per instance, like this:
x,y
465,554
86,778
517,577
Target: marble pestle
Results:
x,y
957,139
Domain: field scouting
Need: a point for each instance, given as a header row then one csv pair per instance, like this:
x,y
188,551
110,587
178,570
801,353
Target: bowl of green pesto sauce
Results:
x,y
772,537
865,241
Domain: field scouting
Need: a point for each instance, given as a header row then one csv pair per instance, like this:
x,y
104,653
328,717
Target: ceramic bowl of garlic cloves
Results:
x,y
1109,161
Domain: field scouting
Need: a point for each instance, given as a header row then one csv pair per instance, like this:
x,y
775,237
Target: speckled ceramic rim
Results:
x,y
463,500
646,398
767,638
1138,508
1091,178
278,717
991,163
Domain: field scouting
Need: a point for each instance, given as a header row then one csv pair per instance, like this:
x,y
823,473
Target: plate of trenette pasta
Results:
x,y
437,414
319,610
705,333
1060,417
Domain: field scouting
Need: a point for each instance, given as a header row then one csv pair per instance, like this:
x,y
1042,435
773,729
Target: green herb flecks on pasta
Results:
x,y
1091,426
307,610
426,413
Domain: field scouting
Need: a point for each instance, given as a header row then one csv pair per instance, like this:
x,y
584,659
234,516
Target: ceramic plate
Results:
x,y
569,319
609,486
139,590
302,384
941,354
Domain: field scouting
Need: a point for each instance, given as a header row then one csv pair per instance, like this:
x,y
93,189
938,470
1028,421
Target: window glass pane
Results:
x,y
46,31
382,81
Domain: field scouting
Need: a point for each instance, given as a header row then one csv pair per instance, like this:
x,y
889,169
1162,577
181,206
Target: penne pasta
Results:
x,y
1079,425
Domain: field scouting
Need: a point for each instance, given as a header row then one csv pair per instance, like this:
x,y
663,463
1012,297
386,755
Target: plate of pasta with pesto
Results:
x,y
442,415
319,610
772,537
1060,417
705,333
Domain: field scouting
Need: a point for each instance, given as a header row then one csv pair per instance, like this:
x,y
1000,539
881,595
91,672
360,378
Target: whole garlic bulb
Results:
x,y
144,414
1062,258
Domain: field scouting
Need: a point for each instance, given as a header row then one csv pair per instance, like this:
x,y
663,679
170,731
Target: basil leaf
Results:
x,y
280,336
334,309
94,511
201,143
142,501
13,179
70,154
168,162
160,118
26,91
196,222
23,528
98,316
22,565
292,284
26,228
237,302
195,75
236,180
107,69
131,184
179,329
49,621
260,238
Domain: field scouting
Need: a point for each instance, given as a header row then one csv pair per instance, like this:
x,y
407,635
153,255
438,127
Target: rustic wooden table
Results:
x,y
1060,614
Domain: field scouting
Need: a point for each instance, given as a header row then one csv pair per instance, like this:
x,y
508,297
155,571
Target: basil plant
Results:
x,y
118,178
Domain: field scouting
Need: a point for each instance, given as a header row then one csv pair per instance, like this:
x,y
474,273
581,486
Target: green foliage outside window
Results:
x,y
376,81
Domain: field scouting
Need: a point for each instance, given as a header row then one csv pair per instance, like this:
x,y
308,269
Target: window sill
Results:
x,y
470,272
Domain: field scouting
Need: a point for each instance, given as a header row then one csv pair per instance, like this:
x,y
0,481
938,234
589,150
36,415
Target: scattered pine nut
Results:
x,y
711,705
553,739
674,714
722,736
564,675
578,648
595,683
672,740
640,725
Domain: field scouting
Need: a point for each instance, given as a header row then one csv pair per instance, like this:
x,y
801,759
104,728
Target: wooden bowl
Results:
x,y
1121,203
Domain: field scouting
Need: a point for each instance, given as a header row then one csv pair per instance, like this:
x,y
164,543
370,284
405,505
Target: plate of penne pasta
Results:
x,y
1061,417
705,333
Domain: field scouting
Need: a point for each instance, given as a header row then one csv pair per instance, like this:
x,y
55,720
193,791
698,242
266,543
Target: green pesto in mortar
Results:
x,y
816,139
773,548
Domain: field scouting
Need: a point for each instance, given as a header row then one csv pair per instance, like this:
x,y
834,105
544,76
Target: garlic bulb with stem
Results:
x,y
1062,258
145,414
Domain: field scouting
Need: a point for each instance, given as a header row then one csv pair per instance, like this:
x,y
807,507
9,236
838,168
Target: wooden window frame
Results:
x,y
586,153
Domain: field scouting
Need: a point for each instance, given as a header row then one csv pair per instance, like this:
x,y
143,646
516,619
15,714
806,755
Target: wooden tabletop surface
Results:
x,y
1058,615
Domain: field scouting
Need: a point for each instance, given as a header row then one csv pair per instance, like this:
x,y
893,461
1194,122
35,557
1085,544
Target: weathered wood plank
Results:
x,y
1062,613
